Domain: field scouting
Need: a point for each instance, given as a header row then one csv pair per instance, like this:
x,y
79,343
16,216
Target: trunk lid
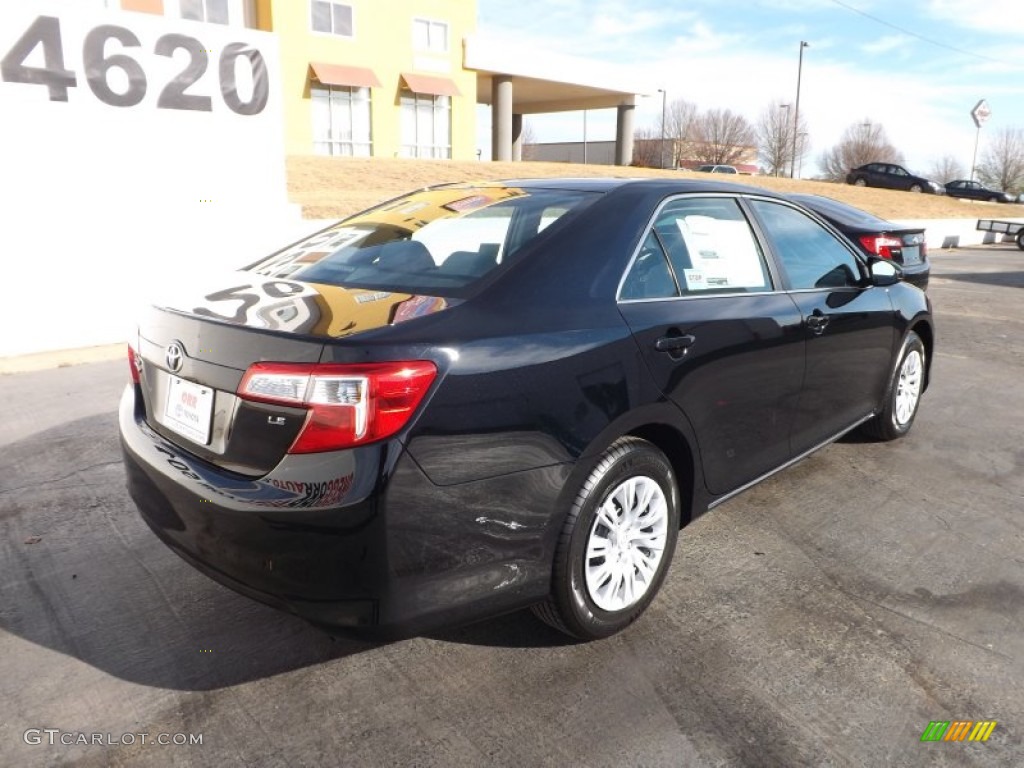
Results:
x,y
195,345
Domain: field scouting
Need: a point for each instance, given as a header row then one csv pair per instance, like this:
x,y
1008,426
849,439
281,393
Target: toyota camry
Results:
x,y
482,397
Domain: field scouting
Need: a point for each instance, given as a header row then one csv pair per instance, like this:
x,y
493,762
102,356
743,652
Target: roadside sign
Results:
x,y
981,113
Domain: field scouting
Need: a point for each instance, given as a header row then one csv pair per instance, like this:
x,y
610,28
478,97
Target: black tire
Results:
x,y
860,181
571,607
915,187
892,422
1020,239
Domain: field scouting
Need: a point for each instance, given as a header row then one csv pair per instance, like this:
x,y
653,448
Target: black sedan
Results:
x,y
891,176
876,237
478,398
973,190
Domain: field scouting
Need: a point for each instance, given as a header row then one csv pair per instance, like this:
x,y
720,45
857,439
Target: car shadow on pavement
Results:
x,y
1002,279
513,630
84,576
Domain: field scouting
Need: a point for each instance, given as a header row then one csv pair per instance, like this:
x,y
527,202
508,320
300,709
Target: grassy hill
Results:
x,y
333,187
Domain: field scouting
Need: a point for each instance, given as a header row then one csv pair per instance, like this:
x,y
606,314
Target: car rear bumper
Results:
x,y
358,538
917,275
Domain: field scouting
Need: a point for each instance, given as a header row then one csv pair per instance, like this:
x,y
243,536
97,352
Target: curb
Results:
x,y
61,358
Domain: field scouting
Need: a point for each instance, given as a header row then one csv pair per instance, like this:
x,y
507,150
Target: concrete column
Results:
x,y
624,134
501,118
517,138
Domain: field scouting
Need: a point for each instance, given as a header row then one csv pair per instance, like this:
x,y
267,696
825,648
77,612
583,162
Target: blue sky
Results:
x,y
742,55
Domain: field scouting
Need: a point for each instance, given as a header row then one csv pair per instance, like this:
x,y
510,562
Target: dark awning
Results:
x,y
434,86
338,74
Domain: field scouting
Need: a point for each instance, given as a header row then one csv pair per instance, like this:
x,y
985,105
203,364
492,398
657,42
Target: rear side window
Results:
x,y
697,246
811,255
435,242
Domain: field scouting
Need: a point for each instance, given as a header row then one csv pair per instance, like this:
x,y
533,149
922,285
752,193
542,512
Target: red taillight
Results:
x,y
134,364
348,404
881,245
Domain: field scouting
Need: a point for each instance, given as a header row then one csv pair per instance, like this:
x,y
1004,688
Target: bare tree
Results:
x,y
947,168
680,124
863,142
647,147
722,136
1002,164
775,139
529,139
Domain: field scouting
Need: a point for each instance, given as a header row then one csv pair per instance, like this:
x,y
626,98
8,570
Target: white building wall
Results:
x,y
115,183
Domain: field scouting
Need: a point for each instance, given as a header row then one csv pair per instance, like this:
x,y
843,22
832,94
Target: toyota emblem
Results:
x,y
174,356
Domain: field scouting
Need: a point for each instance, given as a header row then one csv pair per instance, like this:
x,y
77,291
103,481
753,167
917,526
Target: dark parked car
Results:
x,y
876,237
891,176
973,190
475,399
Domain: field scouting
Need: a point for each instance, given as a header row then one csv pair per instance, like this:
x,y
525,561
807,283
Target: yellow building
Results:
x,y
402,78
361,77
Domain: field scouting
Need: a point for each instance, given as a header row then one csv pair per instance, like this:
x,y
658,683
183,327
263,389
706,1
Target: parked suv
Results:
x,y
891,176
717,169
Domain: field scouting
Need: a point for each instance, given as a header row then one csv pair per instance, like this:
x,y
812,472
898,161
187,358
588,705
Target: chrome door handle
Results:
x,y
674,343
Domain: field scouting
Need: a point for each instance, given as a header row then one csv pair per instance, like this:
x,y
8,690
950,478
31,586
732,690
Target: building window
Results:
x,y
331,18
341,120
430,36
212,11
426,126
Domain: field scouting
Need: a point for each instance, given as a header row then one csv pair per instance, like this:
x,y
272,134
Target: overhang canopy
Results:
x,y
338,74
429,85
580,84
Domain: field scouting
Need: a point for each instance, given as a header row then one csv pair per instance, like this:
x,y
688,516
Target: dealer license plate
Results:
x,y
911,254
188,410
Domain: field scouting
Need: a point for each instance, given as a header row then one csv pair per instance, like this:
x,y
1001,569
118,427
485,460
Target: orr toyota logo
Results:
x,y
958,730
174,356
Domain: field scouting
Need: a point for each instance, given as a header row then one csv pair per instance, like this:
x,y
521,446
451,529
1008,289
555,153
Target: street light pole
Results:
x,y
796,110
664,97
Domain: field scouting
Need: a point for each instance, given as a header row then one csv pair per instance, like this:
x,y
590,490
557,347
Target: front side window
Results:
x,y
212,11
697,246
430,36
811,255
426,126
341,120
436,242
331,18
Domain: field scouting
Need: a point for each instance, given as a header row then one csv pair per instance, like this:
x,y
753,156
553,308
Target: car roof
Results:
x,y
607,184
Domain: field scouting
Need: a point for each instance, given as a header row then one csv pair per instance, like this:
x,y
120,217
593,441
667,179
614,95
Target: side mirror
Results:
x,y
884,272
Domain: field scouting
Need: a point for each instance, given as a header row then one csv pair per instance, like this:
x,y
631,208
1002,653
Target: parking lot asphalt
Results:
x,y
824,617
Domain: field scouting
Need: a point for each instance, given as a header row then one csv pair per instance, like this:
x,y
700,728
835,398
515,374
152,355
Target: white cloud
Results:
x,y
1000,17
614,24
701,38
715,56
887,43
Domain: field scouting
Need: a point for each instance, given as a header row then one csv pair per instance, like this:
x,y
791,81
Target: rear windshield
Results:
x,y
437,241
